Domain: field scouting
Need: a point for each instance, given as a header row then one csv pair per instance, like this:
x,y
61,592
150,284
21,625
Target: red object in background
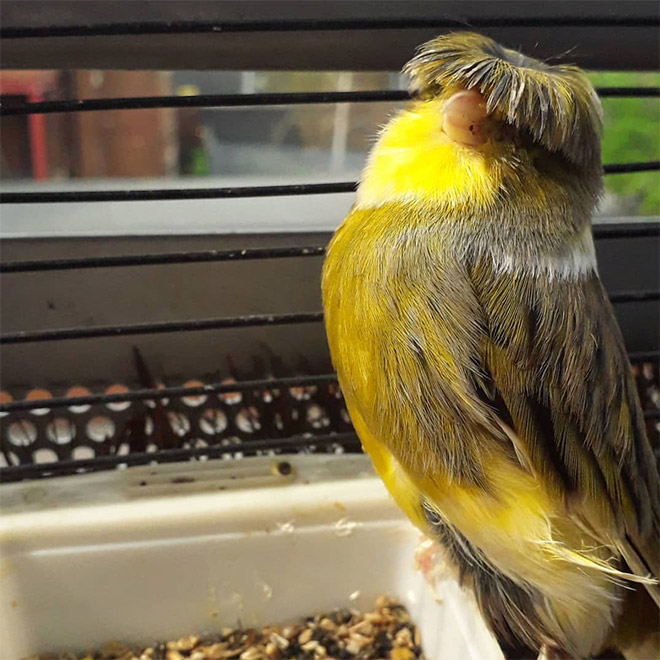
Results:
x,y
32,85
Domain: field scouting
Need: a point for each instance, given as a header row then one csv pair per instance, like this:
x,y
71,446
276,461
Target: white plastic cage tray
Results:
x,y
158,552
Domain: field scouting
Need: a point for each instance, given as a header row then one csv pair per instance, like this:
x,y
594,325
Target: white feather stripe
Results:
x,y
569,263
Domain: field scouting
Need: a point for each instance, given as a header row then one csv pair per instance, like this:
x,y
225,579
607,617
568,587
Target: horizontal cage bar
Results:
x,y
634,296
232,192
167,392
625,230
212,101
251,100
624,168
178,193
313,25
644,356
213,388
620,230
249,321
165,258
31,471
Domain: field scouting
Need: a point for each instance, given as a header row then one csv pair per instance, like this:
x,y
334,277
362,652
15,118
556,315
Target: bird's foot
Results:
x,y
426,558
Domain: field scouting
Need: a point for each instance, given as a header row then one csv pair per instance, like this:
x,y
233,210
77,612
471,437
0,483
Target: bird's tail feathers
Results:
x,y
593,563
640,568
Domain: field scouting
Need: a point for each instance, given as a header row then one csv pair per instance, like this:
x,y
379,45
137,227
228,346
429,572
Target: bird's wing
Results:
x,y
558,377
472,388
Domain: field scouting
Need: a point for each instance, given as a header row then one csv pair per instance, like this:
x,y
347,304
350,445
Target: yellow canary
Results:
x,y
480,359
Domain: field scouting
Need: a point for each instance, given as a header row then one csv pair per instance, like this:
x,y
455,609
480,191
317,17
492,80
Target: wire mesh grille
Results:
x,y
225,420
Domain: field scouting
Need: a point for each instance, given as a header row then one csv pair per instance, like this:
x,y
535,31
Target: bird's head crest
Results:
x,y
555,104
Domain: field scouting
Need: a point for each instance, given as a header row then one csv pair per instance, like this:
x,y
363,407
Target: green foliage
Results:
x,y
632,133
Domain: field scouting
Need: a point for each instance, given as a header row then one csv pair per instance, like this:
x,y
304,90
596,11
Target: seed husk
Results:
x,y
385,633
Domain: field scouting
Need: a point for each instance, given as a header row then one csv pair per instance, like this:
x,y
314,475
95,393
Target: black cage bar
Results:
x,y
338,35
